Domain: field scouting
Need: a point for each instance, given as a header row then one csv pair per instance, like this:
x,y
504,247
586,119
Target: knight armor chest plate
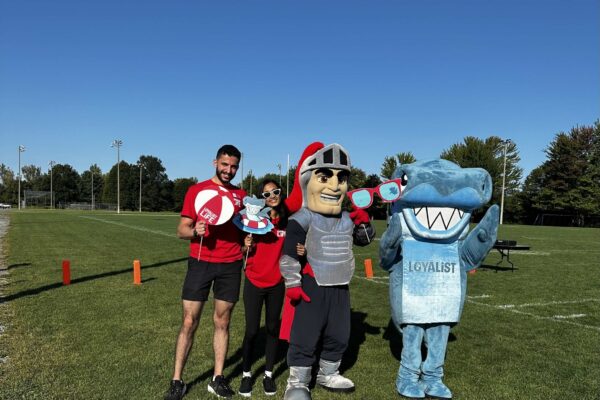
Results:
x,y
328,246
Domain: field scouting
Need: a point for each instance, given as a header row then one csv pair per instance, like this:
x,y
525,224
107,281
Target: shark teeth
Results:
x,y
438,218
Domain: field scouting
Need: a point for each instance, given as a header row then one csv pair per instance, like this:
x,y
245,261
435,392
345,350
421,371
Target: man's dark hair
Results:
x,y
229,150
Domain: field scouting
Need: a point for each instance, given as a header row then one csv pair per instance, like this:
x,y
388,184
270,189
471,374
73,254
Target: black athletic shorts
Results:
x,y
201,275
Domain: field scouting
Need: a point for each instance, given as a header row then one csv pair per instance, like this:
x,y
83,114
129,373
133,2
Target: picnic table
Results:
x,y
505,246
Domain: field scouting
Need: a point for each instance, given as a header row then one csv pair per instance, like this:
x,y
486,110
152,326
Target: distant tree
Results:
x,y
390,163
358,178
8,185
85,187
489,155
128,186
157,190
32,178
568,182
180,187
65,184
249,183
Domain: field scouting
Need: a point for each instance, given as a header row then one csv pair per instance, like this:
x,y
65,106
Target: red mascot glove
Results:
x,y
295,294
359,216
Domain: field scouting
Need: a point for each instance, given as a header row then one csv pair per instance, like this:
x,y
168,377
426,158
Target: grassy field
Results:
x,y
531,333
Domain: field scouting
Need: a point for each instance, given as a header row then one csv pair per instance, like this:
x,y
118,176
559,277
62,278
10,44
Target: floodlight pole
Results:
x,y
51,164
250,173
92,171
21,150
141,165
118,143
505,143
279,166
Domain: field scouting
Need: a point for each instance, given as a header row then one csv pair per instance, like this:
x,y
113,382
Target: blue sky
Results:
x,y
177,79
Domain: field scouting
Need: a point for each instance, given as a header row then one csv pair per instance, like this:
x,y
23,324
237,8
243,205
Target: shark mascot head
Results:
x,y
428,249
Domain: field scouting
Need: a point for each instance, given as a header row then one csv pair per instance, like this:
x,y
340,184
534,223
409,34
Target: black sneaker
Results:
x,y
269,386
220,387
176,390
246,386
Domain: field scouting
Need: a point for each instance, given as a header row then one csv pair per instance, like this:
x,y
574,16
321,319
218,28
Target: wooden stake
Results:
x,y
137,272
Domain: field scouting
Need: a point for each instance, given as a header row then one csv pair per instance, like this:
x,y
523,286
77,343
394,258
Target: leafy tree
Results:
x,y
8,185
65,184
85,187
33,179
157,190
568,182
180,187
390,163
489,155
128,186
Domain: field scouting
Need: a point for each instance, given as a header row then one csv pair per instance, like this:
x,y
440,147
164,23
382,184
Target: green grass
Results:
x,y
104,338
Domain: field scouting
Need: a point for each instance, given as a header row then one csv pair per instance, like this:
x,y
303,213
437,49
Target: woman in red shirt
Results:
x,y
264,284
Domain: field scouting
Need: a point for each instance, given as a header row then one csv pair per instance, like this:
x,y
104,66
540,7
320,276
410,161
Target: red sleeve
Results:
x,y
189,209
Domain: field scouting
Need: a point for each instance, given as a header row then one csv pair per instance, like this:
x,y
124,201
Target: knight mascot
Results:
x,y
317,310
428,250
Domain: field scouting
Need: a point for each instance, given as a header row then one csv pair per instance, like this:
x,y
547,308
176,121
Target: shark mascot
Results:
x,y
428,250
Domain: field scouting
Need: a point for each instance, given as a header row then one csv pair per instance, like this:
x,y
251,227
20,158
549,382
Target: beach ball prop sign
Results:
x,y
215,205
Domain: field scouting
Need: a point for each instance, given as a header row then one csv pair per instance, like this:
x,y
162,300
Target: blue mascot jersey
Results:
x,y
432,290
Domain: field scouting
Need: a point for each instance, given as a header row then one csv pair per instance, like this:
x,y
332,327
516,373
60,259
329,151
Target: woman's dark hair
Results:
x,y
281,209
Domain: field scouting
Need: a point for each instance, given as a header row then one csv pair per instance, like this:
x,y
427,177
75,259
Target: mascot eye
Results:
x,y
404,180
322,179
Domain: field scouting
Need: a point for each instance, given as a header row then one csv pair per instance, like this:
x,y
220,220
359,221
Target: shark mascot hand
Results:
x,y
427,248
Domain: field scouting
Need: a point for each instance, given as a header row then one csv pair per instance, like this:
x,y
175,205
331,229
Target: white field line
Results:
x,y
550,303
372,280
569,316
513,308
137,228
535,316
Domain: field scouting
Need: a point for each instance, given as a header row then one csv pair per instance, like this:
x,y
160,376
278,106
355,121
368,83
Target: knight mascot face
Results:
x,y
324,180
428,249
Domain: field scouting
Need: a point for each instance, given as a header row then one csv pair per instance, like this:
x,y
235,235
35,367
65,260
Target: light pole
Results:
x,y
505,143
51,164
279,166
141,165
250,173
118,143
92,171
21,150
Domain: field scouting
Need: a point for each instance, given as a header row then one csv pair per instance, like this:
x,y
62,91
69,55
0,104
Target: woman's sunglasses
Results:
x,y
388,191
274,192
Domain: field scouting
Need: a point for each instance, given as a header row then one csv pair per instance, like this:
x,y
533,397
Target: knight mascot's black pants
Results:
x,y
326,317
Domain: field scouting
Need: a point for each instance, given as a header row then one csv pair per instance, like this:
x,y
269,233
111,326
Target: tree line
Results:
x,y
566,185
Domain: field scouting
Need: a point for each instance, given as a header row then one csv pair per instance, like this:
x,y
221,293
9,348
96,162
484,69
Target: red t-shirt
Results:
x,y
222,244
262,266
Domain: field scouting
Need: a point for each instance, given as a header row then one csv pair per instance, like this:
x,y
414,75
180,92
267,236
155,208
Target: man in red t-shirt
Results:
x,y
216,259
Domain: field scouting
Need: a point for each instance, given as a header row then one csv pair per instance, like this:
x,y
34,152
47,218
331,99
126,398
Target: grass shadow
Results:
x,y
41,289
496,268
18,265
358,335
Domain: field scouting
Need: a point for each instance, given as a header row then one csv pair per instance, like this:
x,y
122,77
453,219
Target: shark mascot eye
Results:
x,y
428,249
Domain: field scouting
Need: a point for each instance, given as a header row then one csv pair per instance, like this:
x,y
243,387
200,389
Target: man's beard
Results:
x,y
220,175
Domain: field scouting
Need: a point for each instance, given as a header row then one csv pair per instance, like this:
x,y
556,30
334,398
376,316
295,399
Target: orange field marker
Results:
x,y
137,272
368,268
66,270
